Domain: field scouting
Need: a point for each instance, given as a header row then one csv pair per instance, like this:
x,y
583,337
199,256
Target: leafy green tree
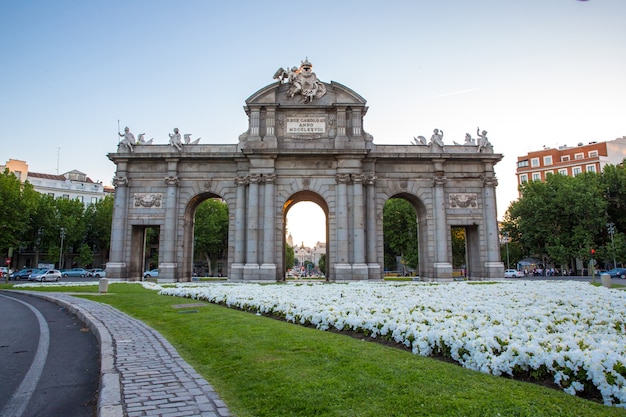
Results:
x,y
321,264
289,256
559,220
458,246
211,231
70,218
17,202
85,255
99,217
400,233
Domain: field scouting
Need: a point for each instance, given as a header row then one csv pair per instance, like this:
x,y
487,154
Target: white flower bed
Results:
x,y
572,331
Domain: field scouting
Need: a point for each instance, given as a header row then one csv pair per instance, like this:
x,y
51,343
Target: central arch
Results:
x,y
299,197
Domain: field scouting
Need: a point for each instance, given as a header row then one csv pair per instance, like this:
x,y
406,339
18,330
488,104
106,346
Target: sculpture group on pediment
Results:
x,y
302,81
129,142
482,143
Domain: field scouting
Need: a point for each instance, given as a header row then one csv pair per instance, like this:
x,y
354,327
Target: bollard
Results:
x,y
606,280
104,285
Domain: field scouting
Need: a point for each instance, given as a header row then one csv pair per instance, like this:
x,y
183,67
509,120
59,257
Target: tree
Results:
x,y
17,202
321,264
211,231
289,256
100,217
558,220
400,233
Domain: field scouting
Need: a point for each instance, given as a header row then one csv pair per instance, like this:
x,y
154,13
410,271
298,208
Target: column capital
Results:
x,y
120,181
370,178
489,181
358,178
254,178
269,178
172,180
439,180
342,178
241,180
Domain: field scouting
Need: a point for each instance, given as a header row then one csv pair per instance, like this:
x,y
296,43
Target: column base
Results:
x,y
236,273
494,270
267,272
359,272
375,272
251,273
167,272
442,271
117,270
342,273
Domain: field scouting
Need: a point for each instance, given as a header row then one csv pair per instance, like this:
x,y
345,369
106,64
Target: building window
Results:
x,y
523,178
94,200
576,171
51,194
565,158
536,176
80,198
549,172
522,164
579,156
66,196
593,154
591,168
563,171
547,160
534,162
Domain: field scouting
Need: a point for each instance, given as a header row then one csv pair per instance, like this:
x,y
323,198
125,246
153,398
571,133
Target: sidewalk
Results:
x,y
141,374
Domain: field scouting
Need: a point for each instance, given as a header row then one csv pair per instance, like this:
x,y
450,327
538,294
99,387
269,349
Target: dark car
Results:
x,y
22,274
616,272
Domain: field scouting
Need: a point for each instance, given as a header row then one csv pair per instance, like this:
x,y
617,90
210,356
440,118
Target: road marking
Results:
x,y
18,402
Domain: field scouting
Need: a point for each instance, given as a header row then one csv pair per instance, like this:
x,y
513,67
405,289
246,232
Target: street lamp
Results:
x,y
505,236
61,251
611,228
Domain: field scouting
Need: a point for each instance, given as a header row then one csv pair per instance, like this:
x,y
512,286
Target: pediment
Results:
x,y
277,94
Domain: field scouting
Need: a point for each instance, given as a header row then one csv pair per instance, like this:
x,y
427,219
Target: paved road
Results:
x,y
49,360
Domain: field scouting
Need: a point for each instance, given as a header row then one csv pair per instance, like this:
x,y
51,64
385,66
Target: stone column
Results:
x,y
251,268
359,267
442,265
168,239
270,122
268,268
236,270
493,265
116,267
371,230
342,265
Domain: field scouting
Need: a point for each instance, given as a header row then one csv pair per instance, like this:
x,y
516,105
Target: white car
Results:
x,y
44,275
513,273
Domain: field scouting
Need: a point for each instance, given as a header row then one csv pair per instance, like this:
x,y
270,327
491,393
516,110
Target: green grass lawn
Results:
x,y
265,367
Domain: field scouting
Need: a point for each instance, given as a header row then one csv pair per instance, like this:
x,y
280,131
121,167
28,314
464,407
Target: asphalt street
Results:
x,y
49,360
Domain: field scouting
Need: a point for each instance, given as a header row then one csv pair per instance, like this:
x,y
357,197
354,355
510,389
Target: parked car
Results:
x,y
513,273
22,274
616,272
44,275
151,273
75,272
97,273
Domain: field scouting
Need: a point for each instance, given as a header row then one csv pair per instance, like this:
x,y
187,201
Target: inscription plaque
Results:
x,y
306,125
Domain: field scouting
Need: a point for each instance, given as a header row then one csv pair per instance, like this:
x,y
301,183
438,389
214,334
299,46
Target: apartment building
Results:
x,y
73,185
570,160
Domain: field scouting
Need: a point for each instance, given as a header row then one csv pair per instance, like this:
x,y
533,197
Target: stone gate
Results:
x,y
305,142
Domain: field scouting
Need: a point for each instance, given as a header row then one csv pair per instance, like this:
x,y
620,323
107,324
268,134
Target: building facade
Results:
x,y
72,185
570,160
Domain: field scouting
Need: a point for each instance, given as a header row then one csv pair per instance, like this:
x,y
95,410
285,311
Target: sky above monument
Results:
x,y
532,73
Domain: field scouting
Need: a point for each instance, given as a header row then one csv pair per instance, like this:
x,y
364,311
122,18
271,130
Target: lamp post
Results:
x,y
38,245
611,228
61,251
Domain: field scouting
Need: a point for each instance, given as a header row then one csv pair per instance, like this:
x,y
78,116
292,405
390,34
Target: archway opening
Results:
x,y
402,241
305,242
206,238
465,251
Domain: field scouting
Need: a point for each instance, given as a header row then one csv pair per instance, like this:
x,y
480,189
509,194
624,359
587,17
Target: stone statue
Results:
x,y
482,140
420,140
188,141
437,137
469,141
175,140
303,81
128,139
142,141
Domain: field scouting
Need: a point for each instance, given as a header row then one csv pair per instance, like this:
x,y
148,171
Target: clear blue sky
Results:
x,y
531,73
